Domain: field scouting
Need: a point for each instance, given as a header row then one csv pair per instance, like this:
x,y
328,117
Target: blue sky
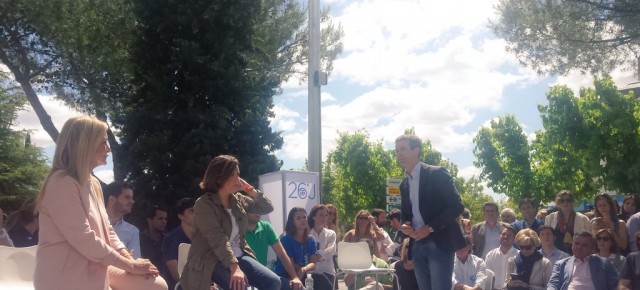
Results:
x,y
432,65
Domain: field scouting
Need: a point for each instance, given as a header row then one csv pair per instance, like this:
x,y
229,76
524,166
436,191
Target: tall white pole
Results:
x,y
314,83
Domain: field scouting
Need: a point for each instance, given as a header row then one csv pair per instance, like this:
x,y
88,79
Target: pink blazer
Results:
x,y
76,242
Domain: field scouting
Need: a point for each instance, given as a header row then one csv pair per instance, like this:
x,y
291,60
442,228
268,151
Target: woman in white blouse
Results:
x,y
326,238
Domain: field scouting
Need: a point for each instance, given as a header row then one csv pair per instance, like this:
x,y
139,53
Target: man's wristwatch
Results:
x,y
430,229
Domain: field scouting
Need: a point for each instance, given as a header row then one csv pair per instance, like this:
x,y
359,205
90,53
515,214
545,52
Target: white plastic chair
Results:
x,y
17,266
488,282
183,253
355,258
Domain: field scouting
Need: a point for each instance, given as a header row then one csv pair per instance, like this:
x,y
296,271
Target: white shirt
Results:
x,y
234,239
581,277
491,238
497,262
471,273
384,251
326,249
414,195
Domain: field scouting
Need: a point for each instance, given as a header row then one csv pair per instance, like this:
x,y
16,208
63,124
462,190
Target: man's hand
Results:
x,y
406,228
295,284
421,233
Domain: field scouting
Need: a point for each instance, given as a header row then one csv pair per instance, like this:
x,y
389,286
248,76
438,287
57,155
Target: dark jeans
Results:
x,y
433,266
258,275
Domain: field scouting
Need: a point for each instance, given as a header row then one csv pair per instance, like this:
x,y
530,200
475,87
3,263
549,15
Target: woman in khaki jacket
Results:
x,y
528,269
78,248
218,250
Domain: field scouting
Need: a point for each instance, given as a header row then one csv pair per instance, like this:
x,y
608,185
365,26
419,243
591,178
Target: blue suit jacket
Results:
x,y
439,204
603,274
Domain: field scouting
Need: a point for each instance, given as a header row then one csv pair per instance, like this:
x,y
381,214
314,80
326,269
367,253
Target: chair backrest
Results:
x,y
183,253
354,256
17,264
489,280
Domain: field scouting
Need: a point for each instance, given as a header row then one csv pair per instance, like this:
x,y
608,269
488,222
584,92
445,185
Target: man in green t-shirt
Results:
x,y
260,235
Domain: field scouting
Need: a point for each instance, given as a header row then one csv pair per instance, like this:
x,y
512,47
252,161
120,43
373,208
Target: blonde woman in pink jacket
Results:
x,y
78,248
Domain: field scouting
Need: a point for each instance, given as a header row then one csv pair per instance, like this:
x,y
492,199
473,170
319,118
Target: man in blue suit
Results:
x,y
430,206
583,270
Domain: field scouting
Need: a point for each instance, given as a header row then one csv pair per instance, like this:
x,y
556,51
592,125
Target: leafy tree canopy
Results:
x,y
557,36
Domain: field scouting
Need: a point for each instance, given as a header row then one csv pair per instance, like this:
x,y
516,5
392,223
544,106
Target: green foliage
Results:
x,y
502,152
556,36
355,173
592,139
197,98
473,198
588,143
23,167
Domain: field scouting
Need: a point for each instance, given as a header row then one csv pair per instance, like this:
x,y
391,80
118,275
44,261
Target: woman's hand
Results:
x,y
250,190
144,267
238,279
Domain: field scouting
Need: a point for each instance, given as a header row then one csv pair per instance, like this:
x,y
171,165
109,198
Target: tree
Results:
x,y
23,166
473,198
557,36
588,143
592,140
502,153
29,57
205,74
354,174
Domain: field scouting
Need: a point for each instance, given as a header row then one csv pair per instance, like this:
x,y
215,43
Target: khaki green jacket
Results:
x,y
210,239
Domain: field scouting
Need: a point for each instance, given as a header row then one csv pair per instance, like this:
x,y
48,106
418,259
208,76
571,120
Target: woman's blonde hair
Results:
x,y
75,148
528,235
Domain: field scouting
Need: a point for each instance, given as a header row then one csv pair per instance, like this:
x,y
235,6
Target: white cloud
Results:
x,y
59,112
105,175
284,119
469,171
576,80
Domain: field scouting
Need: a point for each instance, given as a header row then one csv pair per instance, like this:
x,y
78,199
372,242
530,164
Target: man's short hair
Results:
x,y
529,201
394,214
184,204
509,228
151,212
115,189
466,213
546,227
586,234
414,141
490,203
376,212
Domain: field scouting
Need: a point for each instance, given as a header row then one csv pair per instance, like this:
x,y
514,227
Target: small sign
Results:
x,y
392,206
393,182
394,199
393,190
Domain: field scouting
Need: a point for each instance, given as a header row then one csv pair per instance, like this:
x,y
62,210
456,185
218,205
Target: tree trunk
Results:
x,y
32,97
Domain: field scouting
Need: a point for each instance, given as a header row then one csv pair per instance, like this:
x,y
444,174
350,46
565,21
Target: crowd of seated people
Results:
x,y
544,249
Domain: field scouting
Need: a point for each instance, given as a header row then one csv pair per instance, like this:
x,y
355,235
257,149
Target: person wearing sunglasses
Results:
x,y
365,229
583,270
566,221
606,218
529,269
608,248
